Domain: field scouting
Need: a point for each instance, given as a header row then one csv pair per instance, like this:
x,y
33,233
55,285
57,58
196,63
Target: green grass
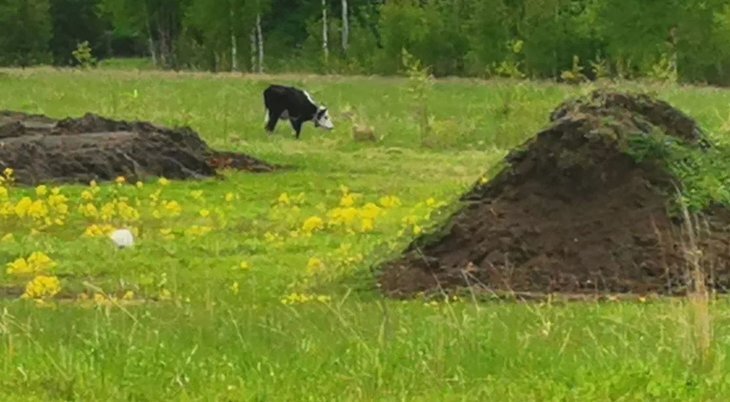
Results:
x,y
211,343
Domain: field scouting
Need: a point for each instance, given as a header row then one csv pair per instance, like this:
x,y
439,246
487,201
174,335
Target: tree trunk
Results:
x,y
345,27
234,45
150,41
325,44
260,43
253,49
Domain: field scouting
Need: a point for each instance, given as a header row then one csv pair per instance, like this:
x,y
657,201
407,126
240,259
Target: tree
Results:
x,y
76,21
25,32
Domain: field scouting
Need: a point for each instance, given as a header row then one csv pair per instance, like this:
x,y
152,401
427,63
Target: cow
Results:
x,y
295,105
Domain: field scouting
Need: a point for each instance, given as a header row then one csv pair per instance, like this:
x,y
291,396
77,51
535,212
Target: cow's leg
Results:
x,y
297,126
273,118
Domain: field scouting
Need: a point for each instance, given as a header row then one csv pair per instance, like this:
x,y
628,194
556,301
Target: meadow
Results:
x,y
260,286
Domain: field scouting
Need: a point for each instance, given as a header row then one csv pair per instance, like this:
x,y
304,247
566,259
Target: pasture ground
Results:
x,y
235,292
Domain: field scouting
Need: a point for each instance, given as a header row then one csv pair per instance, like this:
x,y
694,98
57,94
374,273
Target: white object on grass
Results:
x,y
122,238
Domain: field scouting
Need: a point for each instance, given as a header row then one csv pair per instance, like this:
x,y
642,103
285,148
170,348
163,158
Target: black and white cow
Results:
x,y
295,105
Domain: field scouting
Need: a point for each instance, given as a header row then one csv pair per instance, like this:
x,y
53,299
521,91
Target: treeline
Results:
x,y
687,40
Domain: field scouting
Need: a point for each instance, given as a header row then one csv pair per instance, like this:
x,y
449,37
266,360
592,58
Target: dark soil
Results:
x,y
42,150
572,212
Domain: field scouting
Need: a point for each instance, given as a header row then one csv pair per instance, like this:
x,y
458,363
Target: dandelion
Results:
x,y
367,225
244,266
42,287
87,195
284,199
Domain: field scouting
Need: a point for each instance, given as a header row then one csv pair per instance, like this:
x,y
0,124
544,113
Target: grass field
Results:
x,y
238,292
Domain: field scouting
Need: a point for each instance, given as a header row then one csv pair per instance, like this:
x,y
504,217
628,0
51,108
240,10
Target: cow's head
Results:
x,y
322,119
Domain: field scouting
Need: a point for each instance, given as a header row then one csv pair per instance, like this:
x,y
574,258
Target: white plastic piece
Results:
x,y
123,238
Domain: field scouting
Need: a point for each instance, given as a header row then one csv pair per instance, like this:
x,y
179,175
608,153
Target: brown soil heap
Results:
x,y
40,149
572,212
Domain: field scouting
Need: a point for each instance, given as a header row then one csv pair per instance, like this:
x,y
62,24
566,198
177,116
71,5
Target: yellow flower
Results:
x,y
163,181
197,194
314,266
204,213
229,197
120,180
139,184
417,230
128,295
19,267
87,195
22,207
197,231
167,234
370,210
234,288
41,287
89,210
244,266
172,208
347,200
41,262
390,201
41,190
367,225
98,230
284,199
37,262
313,224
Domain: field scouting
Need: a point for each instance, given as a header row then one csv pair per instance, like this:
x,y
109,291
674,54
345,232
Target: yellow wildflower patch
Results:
x,y
42,287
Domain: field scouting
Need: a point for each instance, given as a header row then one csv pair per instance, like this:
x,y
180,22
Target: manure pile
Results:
x,y
77,150
573,212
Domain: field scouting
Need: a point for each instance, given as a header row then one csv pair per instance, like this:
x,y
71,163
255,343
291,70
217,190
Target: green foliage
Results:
x,y
703,177
25,30
418,88
668,41
83,55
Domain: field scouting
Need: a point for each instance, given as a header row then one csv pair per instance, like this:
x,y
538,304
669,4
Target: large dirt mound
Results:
x,y
572,212
78,150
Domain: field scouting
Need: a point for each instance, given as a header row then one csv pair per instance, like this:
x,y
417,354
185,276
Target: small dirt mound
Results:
x,y
77,150
572,212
